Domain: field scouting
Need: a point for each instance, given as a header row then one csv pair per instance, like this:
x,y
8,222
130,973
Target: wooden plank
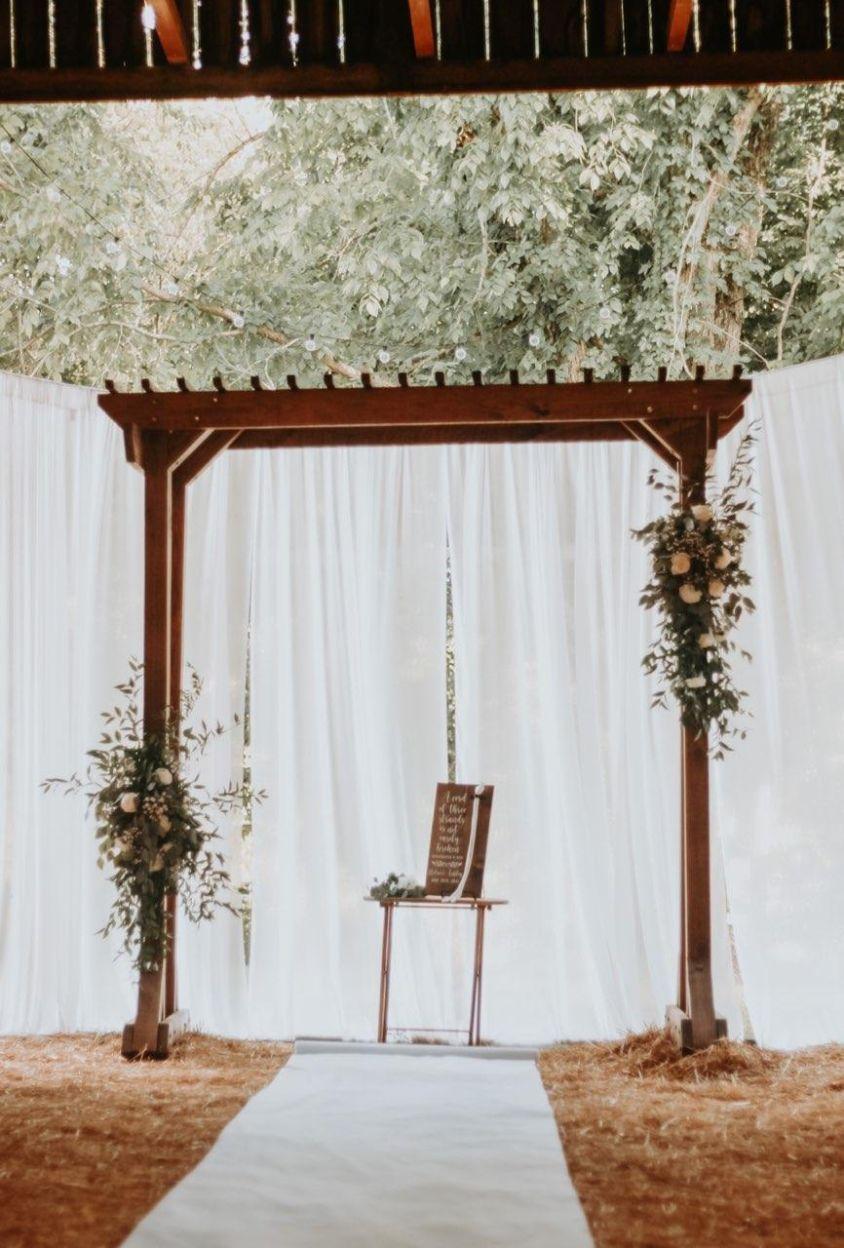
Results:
x,y
171,32
174,1025
204,454
425,77
679,24
432,435
427,405
422,23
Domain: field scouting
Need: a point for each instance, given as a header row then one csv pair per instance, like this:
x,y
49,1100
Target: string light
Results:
x,y
293,37
245,35
310,343
460,354
196,37
238,320
383,356
51,33
341,31
101,52
534,338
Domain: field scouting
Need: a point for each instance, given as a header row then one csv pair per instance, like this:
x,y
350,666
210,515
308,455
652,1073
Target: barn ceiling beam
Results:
x,y
679,21
170,30
422,21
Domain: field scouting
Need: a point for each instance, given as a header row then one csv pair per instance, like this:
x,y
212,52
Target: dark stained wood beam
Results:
x,y
432,435
204,453
422,77
422,21
171,31
679,21
394,407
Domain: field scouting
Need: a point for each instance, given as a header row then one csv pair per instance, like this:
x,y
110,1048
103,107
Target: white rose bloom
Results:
x,y
702,512
696,682
706,641
129,803
716,589
680,563
163,776
724,560
689,594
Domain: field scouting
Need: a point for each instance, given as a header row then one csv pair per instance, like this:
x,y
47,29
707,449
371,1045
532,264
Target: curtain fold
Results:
x,y
780,797
348,727
70,560
552,708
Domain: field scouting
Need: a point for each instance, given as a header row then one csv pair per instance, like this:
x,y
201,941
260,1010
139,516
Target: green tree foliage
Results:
x,y
663,227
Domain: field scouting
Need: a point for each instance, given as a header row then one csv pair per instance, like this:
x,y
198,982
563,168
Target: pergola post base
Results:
x,y
167,1031
679,1025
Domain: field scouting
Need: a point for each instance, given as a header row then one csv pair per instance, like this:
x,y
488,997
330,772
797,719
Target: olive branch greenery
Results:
x,y
698,587
395,885
155,820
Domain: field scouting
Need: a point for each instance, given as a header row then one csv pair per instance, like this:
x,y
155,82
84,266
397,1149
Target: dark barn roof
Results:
x,y
98,49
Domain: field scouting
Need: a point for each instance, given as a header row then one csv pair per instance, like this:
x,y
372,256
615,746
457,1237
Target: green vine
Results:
x,y
155,821
698,587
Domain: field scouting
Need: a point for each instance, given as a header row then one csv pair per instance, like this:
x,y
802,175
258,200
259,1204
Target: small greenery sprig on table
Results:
x,y
396,885
698,586
156,822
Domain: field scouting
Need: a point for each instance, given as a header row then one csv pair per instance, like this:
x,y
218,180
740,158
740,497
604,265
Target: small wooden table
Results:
x,y
480,905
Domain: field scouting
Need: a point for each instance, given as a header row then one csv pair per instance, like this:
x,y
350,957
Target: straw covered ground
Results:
x,y
734,1146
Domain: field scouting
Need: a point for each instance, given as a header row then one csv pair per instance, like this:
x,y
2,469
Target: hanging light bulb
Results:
x,y
731,230
148,17
460,354
238,320
534,338
310,343
383,356
605,314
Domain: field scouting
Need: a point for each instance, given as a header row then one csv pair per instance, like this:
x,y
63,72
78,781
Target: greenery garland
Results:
x,y
698,585
156,820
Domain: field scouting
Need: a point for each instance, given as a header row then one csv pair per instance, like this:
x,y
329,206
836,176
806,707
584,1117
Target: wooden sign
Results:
x,y
456,808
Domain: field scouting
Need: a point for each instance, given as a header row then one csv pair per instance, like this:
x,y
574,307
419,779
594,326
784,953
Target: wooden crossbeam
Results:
x,y
679,21
397,407
433,435
170,30
422,21
425,76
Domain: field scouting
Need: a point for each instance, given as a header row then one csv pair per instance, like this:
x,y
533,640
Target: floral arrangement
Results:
x,y
698,586
395,885
155,822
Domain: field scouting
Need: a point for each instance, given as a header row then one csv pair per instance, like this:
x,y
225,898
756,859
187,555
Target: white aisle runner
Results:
x,y
365,1147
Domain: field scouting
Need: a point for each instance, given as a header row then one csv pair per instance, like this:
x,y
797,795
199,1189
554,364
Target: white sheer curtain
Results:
x,y
70,550
553,708
348,728
781,797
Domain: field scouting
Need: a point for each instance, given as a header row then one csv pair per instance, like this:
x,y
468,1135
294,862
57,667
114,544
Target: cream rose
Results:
x,y
680,563
724,560
702,512
129,803
716,589
706,641
689,594
696,682
163,776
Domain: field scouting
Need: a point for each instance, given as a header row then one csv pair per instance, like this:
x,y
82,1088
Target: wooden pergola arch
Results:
x,y
172,437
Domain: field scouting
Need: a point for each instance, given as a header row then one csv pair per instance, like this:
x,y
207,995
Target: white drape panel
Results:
x,y
218,559
348,727
553,708
781,797
70,551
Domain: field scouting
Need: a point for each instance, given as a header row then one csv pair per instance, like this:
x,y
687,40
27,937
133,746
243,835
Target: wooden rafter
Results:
x,y
422,21
171,31
679,21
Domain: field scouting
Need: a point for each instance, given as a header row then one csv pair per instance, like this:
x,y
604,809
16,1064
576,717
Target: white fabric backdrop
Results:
x,y
70,547
338,558
780,798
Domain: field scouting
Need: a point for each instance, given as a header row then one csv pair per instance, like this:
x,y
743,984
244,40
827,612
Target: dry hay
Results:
x,y
731,1146
90,1142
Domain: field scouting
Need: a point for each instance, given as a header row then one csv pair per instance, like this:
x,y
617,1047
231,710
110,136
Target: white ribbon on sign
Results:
x,y
470,851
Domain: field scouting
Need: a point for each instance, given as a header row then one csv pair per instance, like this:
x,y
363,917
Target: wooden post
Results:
x,y
158,548
693,1019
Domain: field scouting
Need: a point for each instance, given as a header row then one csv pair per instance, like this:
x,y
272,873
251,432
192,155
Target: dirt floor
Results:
x,y
731,1147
